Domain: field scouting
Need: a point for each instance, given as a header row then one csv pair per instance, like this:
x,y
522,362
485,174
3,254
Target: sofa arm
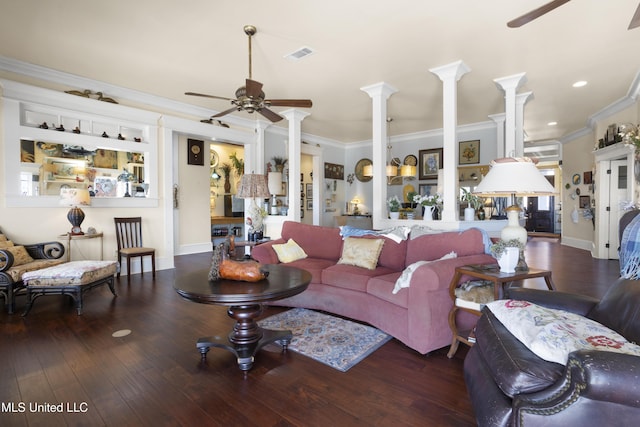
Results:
x,y
574,303
265,254
598,387
46,250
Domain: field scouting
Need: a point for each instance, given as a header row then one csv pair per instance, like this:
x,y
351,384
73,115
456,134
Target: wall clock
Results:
x,y
195,154
214,159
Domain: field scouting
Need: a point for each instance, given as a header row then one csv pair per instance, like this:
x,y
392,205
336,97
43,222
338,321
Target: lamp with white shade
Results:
x,y
274,183
75,197
514,177
254,186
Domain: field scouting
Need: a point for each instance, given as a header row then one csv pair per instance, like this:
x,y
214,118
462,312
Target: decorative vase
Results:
x,y
469,214
427,213
394,215
227,185
481,214
508,260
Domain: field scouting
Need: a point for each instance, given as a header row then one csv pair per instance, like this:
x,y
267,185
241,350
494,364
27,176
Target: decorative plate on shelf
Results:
x,y
360,170
214,158
411,160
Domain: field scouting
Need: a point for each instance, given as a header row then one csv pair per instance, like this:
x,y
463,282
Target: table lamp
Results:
x,y
514,177
75,197
274,183
126,177
254,186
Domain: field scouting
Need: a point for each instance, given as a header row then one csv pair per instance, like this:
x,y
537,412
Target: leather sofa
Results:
x,y
511,386
416,315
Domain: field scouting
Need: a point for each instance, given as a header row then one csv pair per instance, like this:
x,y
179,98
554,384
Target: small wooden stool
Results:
x,y
72,278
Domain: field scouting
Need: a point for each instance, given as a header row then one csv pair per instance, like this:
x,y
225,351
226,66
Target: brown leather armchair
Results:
x,y
510,386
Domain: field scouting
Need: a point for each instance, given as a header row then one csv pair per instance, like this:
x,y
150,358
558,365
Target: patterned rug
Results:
x,y
333,341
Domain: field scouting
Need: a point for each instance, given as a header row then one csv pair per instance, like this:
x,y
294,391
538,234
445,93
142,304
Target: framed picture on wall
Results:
x,y
585,202
428,188
309,204
309,191
195,155
469,152
429,163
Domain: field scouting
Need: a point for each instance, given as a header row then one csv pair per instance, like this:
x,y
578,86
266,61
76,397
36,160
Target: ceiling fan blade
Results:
x,y
253,88
536,13
635,21
225,112
274,117
208,96
301,103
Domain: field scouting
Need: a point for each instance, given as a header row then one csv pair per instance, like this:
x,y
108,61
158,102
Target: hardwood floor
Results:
x,y
153,377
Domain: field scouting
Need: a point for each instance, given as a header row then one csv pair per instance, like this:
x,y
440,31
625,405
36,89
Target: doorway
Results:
x,y
617,193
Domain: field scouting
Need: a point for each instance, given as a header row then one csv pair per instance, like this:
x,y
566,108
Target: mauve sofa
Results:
x,y
417,315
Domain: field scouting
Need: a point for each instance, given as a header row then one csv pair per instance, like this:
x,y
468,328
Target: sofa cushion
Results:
x,y
361,252
290,251
351,277
5,243
515,368
433,246
317,241
553,334
16,272
315,266
382,286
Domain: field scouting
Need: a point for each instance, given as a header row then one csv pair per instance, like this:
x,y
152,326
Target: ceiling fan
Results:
x,y
251,98
548,7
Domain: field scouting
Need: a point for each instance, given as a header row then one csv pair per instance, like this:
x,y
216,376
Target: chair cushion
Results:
x,y
71,273
136,251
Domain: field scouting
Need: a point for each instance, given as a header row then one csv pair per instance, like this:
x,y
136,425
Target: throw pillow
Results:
x,y
20,255
361,252
552,334
5,244
289,252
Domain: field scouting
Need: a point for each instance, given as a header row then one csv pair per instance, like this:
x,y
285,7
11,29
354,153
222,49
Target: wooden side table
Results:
x,y
70,237
490,273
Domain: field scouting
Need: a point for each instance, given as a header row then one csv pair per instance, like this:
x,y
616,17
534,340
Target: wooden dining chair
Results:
x,y
129,237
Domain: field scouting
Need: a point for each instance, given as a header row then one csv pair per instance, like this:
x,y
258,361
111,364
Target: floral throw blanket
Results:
x,y
553,334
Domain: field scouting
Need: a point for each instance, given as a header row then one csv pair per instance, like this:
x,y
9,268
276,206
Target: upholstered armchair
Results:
x,y
16,259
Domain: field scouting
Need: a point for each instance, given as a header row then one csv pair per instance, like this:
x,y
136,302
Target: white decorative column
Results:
x,y
295,118
379,93
450,74
521,100
257,156
499,121
510,85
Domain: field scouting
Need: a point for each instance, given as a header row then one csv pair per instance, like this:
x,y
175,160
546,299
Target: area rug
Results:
x,y
336,342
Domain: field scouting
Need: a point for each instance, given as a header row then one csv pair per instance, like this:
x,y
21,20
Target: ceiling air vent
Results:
x,y
299,54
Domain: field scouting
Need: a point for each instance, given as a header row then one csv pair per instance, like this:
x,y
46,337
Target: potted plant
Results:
x,y
507,252
473,202
279,163
428,203
225,168
393,203
237,164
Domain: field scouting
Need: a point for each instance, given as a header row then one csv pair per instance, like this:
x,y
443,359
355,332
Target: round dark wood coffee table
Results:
x,y
245,301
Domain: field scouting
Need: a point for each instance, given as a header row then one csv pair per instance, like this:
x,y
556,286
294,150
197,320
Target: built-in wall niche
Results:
x,y
53,139
46,167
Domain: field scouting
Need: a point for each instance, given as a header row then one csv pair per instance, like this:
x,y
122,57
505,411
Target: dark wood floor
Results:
x,y
153,377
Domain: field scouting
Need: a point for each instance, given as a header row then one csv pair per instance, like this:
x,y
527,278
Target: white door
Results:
x,y
617,194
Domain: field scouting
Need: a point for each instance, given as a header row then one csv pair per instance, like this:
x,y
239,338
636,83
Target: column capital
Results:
x,y
294,115
453,70
498,118
511,82
523,98
381,89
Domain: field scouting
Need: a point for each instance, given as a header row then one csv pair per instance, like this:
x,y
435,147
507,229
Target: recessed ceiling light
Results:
x,y
580,83
552,123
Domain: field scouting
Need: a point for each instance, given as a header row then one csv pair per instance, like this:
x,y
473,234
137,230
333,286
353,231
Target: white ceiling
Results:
x,y
166,47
